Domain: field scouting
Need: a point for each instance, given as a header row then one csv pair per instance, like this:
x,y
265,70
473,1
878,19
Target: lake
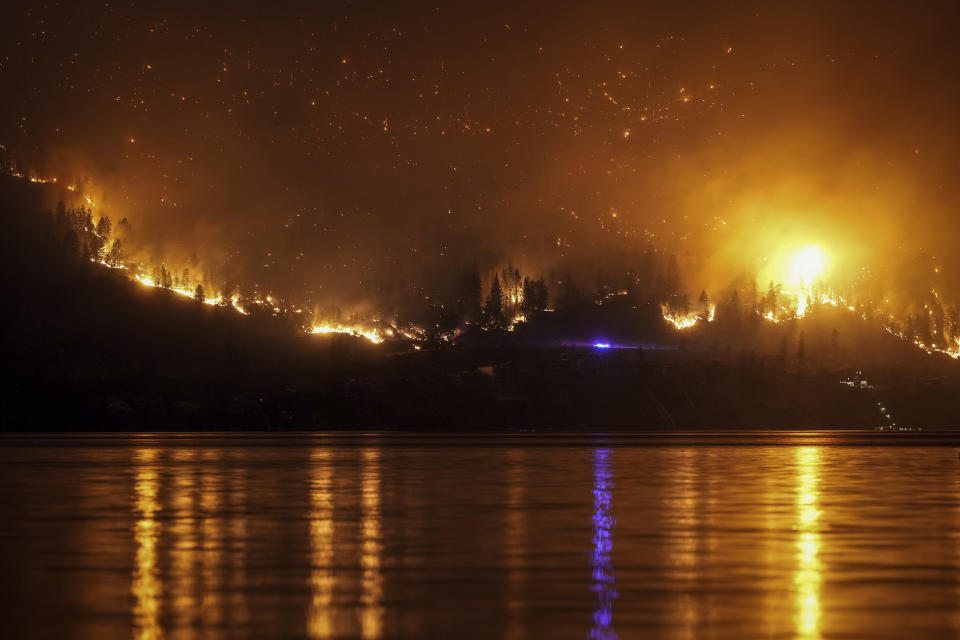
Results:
x,y
377,536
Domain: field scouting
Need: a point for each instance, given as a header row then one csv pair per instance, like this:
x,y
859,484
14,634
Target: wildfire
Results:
x,y
370,334
797,276
687,320
807,266
236,304
148,281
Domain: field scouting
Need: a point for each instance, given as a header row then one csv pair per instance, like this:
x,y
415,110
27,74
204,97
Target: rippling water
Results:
x,y
380,537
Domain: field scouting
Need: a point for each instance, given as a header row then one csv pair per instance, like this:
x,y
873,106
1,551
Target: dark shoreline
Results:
x,y
394,439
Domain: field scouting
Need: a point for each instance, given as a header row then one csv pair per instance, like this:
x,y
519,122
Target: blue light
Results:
x,y
603,582
602,345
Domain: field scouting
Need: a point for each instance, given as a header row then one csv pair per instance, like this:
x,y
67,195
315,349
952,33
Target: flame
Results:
x,y
373,335
799,272
187,293
687,320
235,303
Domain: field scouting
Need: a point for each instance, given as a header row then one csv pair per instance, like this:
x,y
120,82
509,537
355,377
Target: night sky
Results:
x,y
347,151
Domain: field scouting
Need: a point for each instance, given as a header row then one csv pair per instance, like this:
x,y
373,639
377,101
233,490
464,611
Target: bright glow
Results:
x,y
320,616
370,334
371,548
807,267
808,578
682,321
602,345
147,584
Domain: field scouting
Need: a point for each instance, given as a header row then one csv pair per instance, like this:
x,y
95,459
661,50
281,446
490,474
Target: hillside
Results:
x,y
87,348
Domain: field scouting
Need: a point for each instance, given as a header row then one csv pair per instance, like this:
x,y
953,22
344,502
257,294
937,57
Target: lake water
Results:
x,y
488,537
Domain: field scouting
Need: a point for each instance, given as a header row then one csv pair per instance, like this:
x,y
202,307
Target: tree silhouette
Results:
x,y
534,296
471,295
571,295
494,308
772,299
104,228
199,294
166,281
115,255
71,244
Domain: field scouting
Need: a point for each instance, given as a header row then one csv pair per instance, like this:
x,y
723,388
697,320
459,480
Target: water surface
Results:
x,y
495,537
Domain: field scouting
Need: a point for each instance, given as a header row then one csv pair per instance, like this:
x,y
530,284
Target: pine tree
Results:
x,y
88,225
542,295
517,289
953,325
115,255
199,294
571,295
494,309
527,305
534,296
104,228
71,244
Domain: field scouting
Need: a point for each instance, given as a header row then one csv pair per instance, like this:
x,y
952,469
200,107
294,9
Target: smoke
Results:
x,y
355,157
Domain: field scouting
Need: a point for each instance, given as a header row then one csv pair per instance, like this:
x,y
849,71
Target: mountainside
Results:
x,y
85,347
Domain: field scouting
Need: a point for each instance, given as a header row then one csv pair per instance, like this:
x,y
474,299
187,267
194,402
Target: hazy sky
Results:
x,y
347,148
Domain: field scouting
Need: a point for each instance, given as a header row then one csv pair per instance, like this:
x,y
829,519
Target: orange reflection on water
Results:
x,y
183,554
515,543
320,620
212,556
371,550
683,553
147,587
237,531
807,579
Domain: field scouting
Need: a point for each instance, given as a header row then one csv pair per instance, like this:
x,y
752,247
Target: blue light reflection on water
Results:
x,y
603,582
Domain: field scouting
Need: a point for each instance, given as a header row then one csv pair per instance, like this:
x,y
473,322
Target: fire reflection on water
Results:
x,y
371,550
807,579
719,542
147,587
684,558
320,618
212,554
183,553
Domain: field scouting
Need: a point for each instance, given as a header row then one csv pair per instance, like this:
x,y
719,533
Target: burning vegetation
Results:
x,y
799,287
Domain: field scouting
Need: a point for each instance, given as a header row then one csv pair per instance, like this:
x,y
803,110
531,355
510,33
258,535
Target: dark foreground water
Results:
x,y
379,537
